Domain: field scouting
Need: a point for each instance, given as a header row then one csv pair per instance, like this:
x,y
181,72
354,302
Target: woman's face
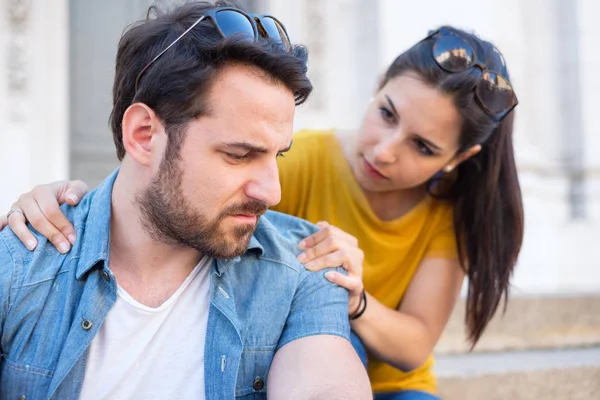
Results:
x,y
410,132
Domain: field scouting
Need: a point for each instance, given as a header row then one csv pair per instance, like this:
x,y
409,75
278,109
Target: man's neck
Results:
x,y
149,270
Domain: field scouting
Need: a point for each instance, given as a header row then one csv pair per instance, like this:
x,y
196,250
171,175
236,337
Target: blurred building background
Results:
x,y
56,70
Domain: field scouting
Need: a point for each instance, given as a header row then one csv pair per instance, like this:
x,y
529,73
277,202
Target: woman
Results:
x,y
427,187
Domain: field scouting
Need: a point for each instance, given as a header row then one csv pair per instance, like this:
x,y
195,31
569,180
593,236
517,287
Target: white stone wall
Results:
x,y
351,42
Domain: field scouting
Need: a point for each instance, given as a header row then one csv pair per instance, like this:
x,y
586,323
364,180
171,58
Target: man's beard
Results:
x,y
169,218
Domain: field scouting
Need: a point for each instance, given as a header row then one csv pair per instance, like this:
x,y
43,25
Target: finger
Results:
x,y
339,232
48,205
18,224
3,221
328,245
39,221
73,193
332,252
350,260
326,230
352,283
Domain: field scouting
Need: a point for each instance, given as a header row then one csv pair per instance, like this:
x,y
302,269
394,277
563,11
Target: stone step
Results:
x,y
570,374
530,323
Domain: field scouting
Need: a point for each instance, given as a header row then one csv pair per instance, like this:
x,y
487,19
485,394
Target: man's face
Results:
x,y
209,194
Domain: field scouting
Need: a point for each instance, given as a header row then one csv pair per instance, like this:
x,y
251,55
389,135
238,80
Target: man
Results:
x,y
180,286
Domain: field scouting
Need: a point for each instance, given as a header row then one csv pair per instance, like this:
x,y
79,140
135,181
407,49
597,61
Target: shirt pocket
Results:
x,y
23,381
253,372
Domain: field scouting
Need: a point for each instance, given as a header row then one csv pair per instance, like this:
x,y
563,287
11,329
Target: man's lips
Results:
x,y
371,170
245,218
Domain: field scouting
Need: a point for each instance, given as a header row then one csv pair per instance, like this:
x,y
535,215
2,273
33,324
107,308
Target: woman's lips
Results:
x,y
372,171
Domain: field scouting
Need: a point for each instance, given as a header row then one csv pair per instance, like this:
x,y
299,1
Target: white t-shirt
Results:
x,y
152,353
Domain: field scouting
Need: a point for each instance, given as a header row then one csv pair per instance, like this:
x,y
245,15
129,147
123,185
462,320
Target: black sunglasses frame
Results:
x,y
255,20
475,63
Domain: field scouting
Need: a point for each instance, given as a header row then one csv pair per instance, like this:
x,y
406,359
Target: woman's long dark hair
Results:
x,y
488,210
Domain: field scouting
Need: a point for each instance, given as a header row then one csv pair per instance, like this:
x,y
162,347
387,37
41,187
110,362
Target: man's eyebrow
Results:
x,y
287,148
250,147
245,146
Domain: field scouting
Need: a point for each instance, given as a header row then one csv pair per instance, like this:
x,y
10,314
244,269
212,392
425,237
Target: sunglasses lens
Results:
x,y
275,30
232,22
452,53
495,93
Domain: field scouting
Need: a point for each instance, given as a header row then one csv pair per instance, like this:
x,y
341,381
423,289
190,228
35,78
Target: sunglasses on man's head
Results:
x,y
493,93
229,21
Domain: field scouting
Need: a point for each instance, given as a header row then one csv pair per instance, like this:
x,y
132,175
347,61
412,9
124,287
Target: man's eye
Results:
x,y
237,157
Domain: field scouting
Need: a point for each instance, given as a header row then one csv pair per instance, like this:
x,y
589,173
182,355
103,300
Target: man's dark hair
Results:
x,y
177,84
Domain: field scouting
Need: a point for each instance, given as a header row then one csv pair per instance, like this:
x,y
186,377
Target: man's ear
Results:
x,y
139,126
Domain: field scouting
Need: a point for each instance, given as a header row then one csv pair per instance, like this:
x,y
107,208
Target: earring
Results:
x,y
448,169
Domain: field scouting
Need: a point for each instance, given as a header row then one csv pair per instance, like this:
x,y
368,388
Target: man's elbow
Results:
x,y
318,367
351,382
357,388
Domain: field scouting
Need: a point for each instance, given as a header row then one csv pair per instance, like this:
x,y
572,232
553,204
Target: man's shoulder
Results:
x,y
45,261
279,235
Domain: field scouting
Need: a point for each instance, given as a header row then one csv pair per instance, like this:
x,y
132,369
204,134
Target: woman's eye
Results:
x,y
422,147
387,115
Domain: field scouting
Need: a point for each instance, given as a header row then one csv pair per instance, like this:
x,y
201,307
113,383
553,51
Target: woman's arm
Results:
x,y
405,337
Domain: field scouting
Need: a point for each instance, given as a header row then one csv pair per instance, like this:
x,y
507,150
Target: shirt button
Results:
x,y
258,384
106,276
22,397
86,324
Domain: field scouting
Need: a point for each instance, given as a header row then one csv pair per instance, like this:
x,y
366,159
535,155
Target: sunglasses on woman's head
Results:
x,y
493,93
229,21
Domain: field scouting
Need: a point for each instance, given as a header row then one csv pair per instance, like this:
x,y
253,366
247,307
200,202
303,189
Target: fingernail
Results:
x,y
309,266
73,197
30,244
302,257
302,245
63,247
330,275
72,238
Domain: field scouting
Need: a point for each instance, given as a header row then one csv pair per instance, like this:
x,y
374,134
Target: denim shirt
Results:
x,y
52,305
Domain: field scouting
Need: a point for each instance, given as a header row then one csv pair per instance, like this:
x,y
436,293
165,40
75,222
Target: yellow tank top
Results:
x,y
318,185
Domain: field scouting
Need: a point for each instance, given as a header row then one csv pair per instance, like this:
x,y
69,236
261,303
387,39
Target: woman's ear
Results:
x,y
462,157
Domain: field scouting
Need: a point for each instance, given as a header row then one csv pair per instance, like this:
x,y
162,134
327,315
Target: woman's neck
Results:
x,y
388,206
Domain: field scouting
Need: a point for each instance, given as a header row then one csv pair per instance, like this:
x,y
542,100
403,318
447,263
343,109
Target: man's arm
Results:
x,y
315,359
318,367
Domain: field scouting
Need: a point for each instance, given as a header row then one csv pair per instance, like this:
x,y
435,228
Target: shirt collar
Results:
x,y
96,233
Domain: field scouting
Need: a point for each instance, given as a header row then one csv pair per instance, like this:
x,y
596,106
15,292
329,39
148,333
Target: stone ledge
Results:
x,y
557,384
530,323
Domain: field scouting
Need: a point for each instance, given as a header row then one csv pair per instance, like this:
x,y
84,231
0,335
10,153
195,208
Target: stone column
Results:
x,y
34,129
342,39
589,14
